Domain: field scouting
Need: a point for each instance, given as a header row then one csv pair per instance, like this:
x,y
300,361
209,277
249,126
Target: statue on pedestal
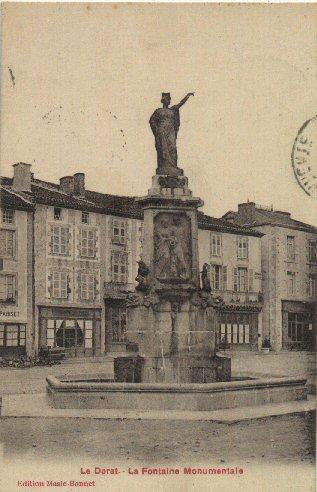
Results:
x,y
165,124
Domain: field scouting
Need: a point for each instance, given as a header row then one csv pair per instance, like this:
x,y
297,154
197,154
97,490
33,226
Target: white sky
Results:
x,y
88,77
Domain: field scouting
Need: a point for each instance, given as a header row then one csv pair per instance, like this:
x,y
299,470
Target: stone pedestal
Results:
x,y
170,319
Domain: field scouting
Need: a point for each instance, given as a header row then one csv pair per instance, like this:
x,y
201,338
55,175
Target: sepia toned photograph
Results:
x,y
158,246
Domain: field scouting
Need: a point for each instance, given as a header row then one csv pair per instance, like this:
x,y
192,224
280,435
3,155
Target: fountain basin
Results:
x,y
171,396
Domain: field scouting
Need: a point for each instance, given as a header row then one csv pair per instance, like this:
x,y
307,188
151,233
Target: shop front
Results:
x,y
299,325
76,330
238,328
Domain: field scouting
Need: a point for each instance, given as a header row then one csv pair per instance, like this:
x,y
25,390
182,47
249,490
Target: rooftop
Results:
x,y
47,193
251,215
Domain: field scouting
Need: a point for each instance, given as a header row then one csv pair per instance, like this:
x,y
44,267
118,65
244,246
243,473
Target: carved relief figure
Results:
x,y
172,247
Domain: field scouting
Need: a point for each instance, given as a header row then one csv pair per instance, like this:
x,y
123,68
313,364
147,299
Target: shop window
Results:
x,y
119,231
12,335
290,244
60,239
291,282
88,243
243,248
69,333
60,287
118,323
299,326
87,286
7,289
215,245
85,217
8,216
88,334
7,243
234,333
312,251
240,279
119,268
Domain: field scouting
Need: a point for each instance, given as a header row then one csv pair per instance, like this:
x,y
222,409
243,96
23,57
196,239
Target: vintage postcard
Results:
x,y
158,247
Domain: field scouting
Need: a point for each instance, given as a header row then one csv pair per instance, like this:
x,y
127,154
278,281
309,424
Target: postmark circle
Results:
x,y
304,157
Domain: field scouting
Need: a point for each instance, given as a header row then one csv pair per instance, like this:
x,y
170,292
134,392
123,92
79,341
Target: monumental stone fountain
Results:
x,y
171,319
172,316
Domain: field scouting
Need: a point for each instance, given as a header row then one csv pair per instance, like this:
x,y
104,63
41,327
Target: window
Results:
x,y
299,325
118,323
235,333
69,333
85,217
12,335
218,277
240,280
311,286
119,267
291,282
7,243
60,286
57,213
312,251
243,250
290,244
215,245
119,232
87,286
60,236
7,288
8,216
88,243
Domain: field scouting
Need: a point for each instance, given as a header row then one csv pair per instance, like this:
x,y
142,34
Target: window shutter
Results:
x,y
250,280
224,278
235,279
308,286
212,277
49,285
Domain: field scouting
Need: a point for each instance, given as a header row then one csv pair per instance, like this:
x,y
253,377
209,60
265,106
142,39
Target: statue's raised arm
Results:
x,y
180,104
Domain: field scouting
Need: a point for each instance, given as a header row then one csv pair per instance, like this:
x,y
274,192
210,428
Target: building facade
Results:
x,y
289,269
234,265
16,274
82,249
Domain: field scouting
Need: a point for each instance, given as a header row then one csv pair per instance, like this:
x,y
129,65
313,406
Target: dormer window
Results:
x,y
85,217
57,213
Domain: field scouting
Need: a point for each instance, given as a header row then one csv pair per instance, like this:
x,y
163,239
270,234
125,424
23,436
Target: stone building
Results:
x,y
289,269
16,267
82,248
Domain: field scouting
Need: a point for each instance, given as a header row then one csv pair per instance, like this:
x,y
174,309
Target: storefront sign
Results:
x,y
9,314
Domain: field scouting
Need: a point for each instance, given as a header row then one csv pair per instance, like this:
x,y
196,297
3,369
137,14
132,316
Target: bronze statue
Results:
x,y
165,124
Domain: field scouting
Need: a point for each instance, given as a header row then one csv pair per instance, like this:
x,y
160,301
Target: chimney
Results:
x,y
66,184
79,184
22,176
247,210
